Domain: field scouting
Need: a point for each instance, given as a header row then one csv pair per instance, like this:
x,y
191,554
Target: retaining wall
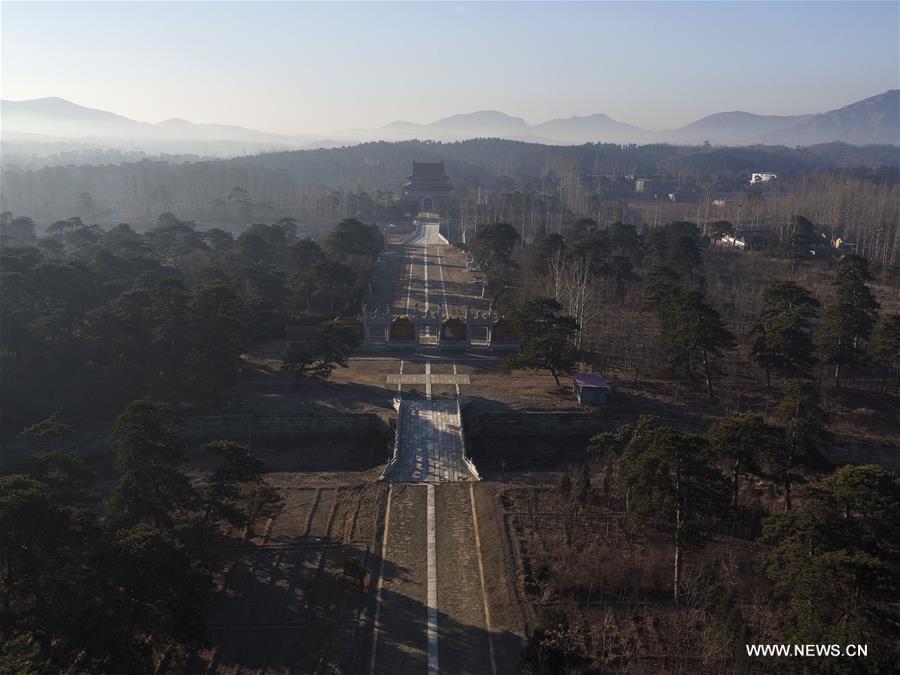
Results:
x,y
536,424
238,428
560,425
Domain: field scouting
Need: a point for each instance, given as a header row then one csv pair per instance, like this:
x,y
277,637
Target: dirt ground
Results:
x,y
363,387
282,602
613,583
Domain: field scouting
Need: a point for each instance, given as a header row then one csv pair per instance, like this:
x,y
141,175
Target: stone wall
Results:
x,y
84,443
583,425
240,427
196,430
578,426
554,424
530,441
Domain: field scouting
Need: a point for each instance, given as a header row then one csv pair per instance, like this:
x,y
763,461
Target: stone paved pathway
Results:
x,y
427,234
436,378
400,640
430,447
430,450
426,271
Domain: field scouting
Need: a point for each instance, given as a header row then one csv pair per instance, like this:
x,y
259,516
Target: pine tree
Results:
x,y
172,338
694,337
741,441
782,340
848,322
692,332
494,245
149,460
833,557
220,491
797,240
546,336
583,490
259,499
669,477
803,422
886,344
607,447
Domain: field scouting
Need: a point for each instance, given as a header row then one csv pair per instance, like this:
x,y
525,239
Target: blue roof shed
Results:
x,y
590,388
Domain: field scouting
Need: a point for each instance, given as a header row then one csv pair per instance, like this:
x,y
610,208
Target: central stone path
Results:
x,y
425,271
432,611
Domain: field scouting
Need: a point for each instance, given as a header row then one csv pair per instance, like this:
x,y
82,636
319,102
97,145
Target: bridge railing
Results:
x,y
470,465
392,462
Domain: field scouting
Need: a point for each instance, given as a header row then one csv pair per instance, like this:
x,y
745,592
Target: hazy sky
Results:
x,y
296,67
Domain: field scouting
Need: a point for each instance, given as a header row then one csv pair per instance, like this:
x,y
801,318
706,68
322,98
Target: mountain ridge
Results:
x,y
873,120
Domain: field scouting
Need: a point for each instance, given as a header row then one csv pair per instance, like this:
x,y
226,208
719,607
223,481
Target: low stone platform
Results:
x,y
428,378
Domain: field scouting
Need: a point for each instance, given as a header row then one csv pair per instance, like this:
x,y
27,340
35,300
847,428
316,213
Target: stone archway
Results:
x,y
428,204
453,330
402,329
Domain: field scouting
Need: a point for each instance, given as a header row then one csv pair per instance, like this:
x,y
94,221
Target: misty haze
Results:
x,y
449,337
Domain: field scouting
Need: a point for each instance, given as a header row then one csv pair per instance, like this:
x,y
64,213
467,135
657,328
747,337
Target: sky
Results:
x,y
310,68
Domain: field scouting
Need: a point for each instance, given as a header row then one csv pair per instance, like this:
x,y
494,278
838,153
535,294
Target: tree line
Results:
x,y
326,185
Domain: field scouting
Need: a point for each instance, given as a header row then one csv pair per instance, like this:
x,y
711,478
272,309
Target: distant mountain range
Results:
x,y
56,120
25,125
871,121
874,120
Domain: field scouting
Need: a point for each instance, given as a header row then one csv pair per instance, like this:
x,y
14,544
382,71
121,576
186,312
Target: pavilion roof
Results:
x,y
428,172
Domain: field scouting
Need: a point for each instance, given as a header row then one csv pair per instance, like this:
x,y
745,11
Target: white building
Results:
x,y
732,241
762,177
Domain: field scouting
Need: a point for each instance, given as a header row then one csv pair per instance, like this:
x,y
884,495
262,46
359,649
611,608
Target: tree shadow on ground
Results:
x,y
290,608
318,396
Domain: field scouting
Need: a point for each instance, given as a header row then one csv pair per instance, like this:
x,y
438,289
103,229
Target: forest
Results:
x,y
786,347
103,581
490,338
154,324
670,299
165,314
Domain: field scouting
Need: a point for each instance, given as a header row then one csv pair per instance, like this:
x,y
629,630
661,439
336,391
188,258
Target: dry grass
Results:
x,y
613,585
